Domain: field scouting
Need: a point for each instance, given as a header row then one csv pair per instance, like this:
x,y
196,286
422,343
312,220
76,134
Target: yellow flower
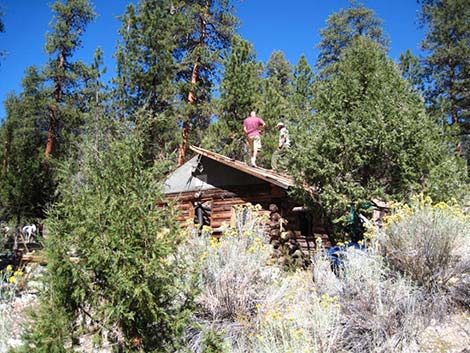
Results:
x,y
12,279
206,229
258,306
9,268
204,256
214,242
18,273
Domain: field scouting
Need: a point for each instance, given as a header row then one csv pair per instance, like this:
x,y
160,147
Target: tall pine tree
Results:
x,y
342,27
447,66
211,25
69,22
302,92
239,94
146,87
167,65
25,187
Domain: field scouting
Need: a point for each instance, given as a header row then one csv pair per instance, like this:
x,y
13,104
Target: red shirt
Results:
x,y
252,125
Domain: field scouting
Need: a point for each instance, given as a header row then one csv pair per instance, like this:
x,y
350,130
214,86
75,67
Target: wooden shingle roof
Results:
x,y
270,176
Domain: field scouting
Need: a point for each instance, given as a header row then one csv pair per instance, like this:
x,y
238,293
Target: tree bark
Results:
x,y
191,95
54,108
187,122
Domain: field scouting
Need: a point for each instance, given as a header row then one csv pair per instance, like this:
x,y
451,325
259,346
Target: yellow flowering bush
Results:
x,y
295,318
233,274
429,242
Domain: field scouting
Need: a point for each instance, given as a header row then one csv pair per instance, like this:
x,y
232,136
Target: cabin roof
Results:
x,y
270,176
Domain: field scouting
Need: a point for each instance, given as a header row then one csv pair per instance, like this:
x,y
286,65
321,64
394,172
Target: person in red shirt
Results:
x,y
252,126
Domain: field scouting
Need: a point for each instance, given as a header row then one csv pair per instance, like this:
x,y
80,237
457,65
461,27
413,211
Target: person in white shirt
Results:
x,y
284,143
284,140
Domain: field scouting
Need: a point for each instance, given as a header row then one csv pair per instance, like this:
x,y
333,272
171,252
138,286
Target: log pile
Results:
x,y
287,249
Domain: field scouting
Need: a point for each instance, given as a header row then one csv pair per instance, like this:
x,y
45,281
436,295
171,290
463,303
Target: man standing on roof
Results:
x,y
284,140
252,126
284,143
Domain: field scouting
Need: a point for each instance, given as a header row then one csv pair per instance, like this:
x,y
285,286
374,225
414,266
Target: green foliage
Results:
x,y
126,277
342,28
167,66
275,103
370,137
412,70
213,342
438,233
239,94
70,19
447,67
147,70
25,186
65,76
302,92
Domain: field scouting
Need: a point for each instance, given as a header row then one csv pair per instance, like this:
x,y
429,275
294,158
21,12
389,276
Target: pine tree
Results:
x,y
342,27
70,20
302,92
412,70
447,66
275,103
211,25
25,187
239,94
128,280
147,70
372,137
167,67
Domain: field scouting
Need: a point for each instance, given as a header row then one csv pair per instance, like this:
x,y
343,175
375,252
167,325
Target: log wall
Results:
x,y
221,202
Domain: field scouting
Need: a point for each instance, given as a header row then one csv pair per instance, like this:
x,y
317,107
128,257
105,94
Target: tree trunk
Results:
x,y
54,109
187,122
191,96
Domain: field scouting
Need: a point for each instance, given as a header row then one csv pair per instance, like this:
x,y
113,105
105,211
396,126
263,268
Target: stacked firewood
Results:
x,y
287,250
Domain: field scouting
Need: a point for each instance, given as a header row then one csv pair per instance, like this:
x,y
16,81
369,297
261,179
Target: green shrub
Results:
x,y
112,260
380,310
294,317
233,277
430,243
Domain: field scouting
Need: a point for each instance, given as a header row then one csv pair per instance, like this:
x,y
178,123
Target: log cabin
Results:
x,y
206,188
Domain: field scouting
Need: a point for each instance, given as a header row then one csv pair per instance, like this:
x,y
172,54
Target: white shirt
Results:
x,y
284,136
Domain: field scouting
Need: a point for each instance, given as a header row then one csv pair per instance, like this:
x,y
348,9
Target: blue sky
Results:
x,y
291,26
